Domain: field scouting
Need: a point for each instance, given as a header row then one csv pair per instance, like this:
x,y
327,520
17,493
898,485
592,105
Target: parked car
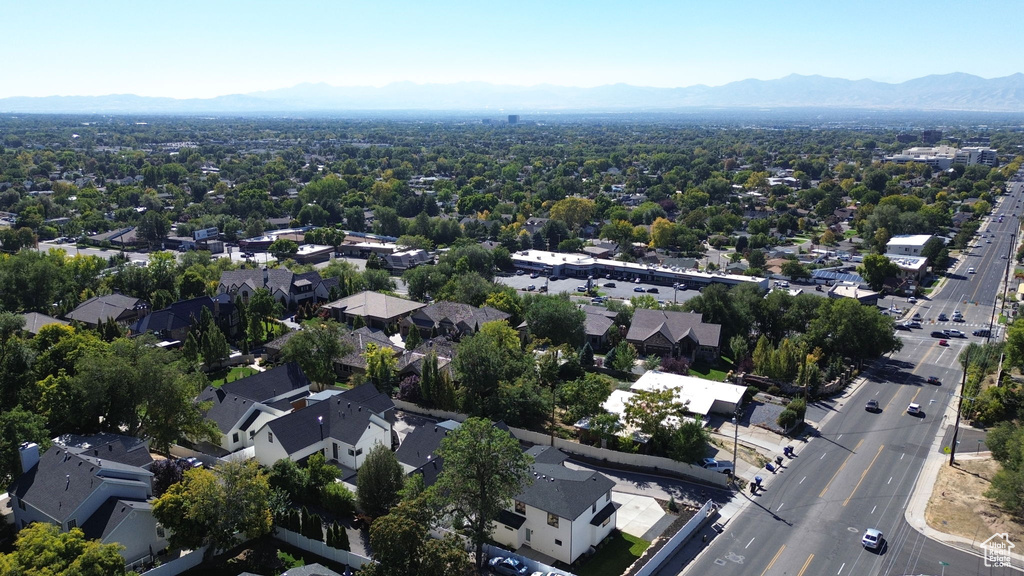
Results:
x,y
508,566
531,288
872,406
609,284
534,275
912,300
717,465
984,333
597,300
639,289
652,290
581,288
520,272
872,539
934,380
914,409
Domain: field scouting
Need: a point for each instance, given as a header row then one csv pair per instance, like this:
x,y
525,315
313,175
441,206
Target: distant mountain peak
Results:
x,y
955,91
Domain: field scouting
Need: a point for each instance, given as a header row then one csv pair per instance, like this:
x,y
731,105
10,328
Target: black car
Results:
x,y
984,333
652,290
938,334
508,566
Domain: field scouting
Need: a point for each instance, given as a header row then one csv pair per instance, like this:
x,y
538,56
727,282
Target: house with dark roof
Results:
x,y
597,325
561,513
453,319
343,425
676,334
175,321
125,310
374,309
242,407
92,487
108,446
34,322
287,287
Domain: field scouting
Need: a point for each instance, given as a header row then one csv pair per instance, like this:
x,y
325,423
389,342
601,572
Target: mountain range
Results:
x,y
946,92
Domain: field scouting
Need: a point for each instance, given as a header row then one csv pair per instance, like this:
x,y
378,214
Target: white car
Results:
x,y
872,539
970,270
914,408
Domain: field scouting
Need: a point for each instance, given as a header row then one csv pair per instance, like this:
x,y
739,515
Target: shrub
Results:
x,y
675,365
751,392
787,419
798,405
338,500
774,390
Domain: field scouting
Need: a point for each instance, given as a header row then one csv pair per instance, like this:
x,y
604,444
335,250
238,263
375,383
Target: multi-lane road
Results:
x,y
861,469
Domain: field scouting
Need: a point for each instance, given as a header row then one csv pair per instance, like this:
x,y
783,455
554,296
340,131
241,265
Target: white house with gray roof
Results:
x,y
89,486
562,513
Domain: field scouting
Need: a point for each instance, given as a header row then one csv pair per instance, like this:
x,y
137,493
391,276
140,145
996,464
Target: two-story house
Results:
x,y
89,487
344,425
452,319
285,286
242,407
562,512
373,309
676,334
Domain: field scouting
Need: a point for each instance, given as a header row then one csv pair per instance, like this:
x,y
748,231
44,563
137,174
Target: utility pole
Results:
x,y
735,441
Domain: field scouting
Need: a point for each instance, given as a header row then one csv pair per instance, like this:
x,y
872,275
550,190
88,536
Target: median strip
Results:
x,y
863,474
854,451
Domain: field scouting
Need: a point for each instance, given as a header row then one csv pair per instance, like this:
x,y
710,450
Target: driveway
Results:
x,y
640,516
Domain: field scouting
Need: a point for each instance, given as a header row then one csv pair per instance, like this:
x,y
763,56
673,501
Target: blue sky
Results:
x,y
186,49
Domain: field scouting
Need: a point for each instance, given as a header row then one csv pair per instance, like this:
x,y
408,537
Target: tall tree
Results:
x,y
379,481
556,318
211,508
380,366
876,268
403,546
315,348
484,468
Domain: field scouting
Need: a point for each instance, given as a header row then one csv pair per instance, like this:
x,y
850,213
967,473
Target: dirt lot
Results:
x,y
958,507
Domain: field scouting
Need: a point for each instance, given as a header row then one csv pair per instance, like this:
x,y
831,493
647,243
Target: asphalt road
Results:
x,y
860,470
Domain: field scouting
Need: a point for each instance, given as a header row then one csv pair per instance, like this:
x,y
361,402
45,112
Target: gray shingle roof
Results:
x,y
34,321
232,400
419,446
61,481
184,314
346,416
564,492
463,316
673,325
109,447
108,516
100,308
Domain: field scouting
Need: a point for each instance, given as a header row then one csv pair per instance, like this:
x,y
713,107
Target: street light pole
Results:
x,y
735,441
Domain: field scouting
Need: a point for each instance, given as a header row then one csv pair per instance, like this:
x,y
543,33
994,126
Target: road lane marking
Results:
x,y
806,564
854,451
838,437
772,563
915,396
889,482
873,508
749,543
841,569
802,480
863,474
823,456
780,506
902,455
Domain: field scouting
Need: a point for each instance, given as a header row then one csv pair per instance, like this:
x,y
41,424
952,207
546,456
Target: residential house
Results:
x,y
676,334
99,488
907,245
418,452
562,513
242,407
35,321
374,309
287,287
175,321
125,310
597,325
452,319
343,425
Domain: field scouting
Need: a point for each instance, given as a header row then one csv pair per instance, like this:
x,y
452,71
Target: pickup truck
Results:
x,y
717,465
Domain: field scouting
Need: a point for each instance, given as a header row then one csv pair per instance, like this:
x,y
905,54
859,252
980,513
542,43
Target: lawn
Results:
x,y
615,556
705,370
218,378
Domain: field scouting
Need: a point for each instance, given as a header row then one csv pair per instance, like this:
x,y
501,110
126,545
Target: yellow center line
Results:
x,y
915,395
854,451
806,564
772,563
863,474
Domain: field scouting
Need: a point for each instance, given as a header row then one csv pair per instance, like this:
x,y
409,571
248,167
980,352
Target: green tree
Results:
x,y
584,397
574,211
379,481
876,268
153,227
17,426
556,318
413,339
192,285
380,366
315,348
795,270
484,468
41,548
403,546
211,507
625,357
282,249
484,360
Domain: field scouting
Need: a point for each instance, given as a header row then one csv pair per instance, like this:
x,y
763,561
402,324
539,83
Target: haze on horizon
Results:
x,y
193,49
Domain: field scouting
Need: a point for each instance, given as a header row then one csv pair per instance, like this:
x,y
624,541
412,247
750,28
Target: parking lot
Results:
x,y
622,289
